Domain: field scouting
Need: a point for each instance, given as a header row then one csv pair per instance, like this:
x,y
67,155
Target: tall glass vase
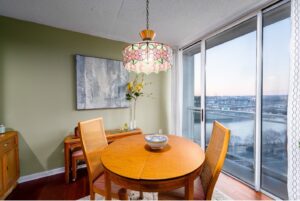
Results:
x,y
132,124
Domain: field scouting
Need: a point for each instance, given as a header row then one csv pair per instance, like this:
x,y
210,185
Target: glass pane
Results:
x,y
276,34
196,126
230,94
197,80
191,93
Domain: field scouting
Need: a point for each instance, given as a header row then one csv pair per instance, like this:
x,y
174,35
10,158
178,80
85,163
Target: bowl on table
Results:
x,y
156,141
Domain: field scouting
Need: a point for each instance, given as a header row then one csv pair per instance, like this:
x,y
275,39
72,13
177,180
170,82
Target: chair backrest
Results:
x,y
214,158
76,132
93,141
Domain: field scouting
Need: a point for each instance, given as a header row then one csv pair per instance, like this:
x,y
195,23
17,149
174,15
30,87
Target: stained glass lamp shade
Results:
x,y
147,56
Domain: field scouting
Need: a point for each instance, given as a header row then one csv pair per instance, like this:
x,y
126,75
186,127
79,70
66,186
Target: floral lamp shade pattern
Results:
x,y
147,57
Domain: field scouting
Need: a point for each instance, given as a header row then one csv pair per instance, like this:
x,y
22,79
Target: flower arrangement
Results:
x,y
134,91
134,88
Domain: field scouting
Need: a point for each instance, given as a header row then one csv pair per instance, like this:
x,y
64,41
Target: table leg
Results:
x,y
141,195
67,162
189,189
107,186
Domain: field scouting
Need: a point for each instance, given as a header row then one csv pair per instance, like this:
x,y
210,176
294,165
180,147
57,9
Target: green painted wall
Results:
x,y
37,90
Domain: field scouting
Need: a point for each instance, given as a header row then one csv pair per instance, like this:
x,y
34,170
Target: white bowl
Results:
x,y
156,141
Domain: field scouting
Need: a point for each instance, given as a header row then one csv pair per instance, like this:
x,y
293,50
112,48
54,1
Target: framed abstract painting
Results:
x,y
100,83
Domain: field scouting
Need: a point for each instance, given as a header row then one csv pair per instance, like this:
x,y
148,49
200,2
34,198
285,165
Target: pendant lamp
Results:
x,y
147,56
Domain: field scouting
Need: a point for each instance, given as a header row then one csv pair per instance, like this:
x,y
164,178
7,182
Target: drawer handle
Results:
x,y
5,145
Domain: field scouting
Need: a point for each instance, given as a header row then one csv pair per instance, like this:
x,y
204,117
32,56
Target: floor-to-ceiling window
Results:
x,y
191,93
250,101
276,35
230,94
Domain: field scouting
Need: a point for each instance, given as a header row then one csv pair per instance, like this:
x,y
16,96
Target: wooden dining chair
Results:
x,y
214,160
93,140
76,156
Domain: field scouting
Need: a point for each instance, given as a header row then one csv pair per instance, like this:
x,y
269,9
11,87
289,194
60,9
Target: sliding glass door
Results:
x,y
245,72
276,35
230,94
191,93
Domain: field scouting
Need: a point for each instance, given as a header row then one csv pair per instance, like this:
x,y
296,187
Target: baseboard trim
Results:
x,y
46,173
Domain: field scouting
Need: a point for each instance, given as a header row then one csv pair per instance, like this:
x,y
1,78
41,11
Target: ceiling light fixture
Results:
x,y
147,56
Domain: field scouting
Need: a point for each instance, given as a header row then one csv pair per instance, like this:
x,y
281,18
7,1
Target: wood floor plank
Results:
x,y
237,190
55,188
52,188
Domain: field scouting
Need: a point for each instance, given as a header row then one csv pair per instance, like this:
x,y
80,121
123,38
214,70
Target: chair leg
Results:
x,y
92,195
74,169
123,194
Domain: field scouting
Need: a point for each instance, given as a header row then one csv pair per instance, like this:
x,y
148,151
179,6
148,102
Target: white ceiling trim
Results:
x,y
176,22
225,24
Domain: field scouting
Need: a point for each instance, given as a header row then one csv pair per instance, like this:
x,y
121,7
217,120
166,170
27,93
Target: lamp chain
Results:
x,y
147,15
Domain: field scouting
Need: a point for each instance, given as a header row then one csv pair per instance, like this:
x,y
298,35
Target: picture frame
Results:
x,y
100,83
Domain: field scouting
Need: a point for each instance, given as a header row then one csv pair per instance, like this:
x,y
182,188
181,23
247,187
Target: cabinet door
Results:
x,y
1,175
12,166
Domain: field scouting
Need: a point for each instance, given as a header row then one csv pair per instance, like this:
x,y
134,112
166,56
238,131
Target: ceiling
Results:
x,y
176,22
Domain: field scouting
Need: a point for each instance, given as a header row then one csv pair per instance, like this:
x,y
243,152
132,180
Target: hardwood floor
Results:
x,y
237,190
54,188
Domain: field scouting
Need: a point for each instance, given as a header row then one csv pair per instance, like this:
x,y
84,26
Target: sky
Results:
x,y
231,66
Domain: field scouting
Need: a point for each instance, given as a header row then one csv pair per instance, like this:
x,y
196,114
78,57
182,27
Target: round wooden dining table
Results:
x,y
130,163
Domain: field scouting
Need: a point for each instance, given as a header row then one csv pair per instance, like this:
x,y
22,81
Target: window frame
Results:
x,y
259,81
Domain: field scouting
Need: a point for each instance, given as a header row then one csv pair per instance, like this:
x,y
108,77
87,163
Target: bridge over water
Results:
x,y
232,115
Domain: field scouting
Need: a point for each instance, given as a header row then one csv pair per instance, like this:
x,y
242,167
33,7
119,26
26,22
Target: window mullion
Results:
x,y
203,86
259,59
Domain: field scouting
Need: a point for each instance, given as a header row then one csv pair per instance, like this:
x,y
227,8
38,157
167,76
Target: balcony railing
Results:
x,y
240,152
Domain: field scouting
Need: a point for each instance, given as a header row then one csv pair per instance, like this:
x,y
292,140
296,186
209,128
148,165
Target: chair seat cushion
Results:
x,y
99,187
77,153
178,194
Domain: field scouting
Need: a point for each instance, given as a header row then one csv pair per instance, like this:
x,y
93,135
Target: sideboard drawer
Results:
x,y
7,144
9,162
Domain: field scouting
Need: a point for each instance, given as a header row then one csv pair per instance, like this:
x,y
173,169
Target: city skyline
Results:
x,y
239,52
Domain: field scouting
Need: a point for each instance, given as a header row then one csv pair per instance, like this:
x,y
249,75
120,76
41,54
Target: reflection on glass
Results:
x,y
191,93
230,89
196,126
276,34
197,81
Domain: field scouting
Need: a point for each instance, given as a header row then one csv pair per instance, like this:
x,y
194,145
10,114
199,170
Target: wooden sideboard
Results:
x,y
9,163
72,142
